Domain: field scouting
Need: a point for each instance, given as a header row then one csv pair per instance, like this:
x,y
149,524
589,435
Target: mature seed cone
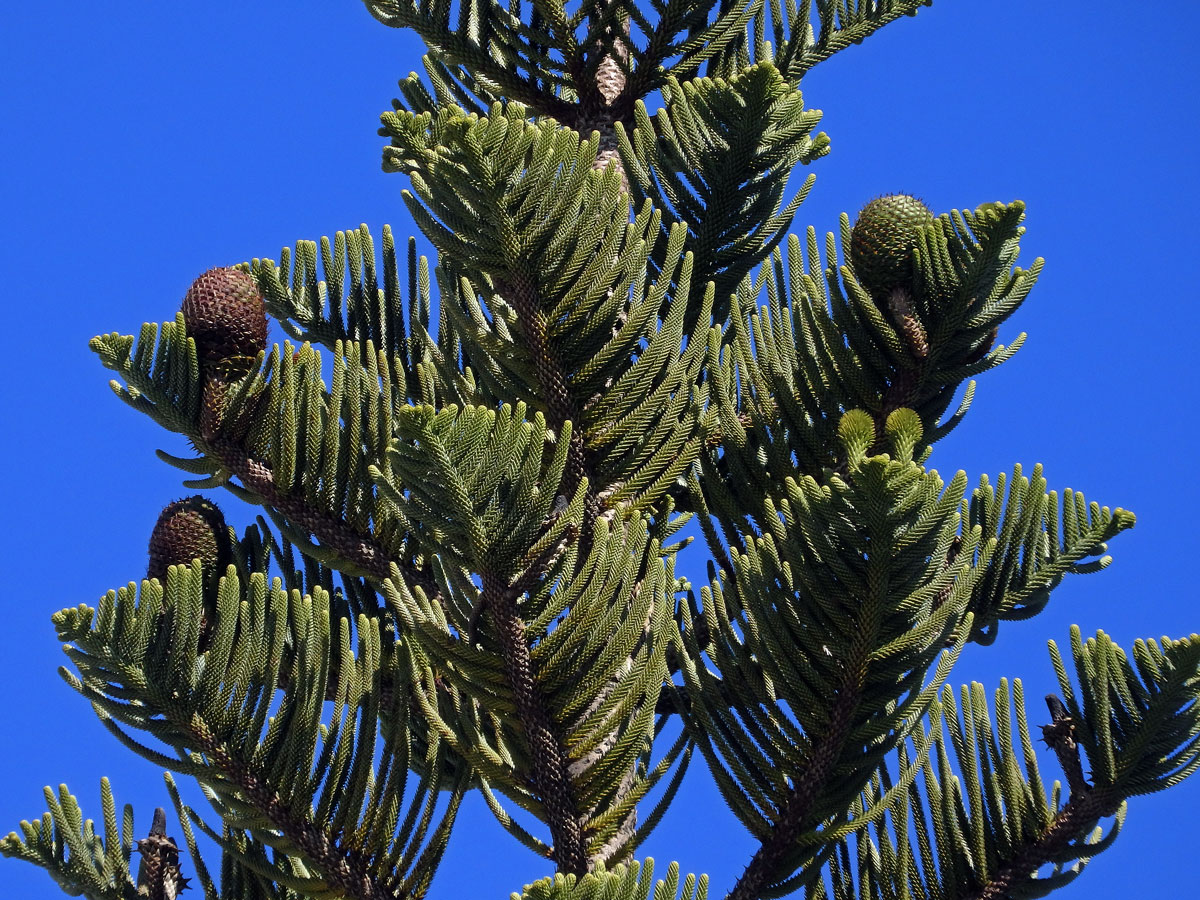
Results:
x,y
188,529
225,315
882,242
158,875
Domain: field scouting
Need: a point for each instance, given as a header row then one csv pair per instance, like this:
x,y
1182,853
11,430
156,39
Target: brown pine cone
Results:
x,y
188,529
225,315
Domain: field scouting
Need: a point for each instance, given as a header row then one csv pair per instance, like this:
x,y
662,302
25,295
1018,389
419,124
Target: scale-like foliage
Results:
x,y
319,460
549,298
1030,539
349,304
1137,721
814,351
597,627
547,56
717,157
237,702
81,859
784,32
306,446
474,477
165,368
847,588
99,864
547,53
475,485
501,53
1031,556
980,816
631,882
837,612
330,294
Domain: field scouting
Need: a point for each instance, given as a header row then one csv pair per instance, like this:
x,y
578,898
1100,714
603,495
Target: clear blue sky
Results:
x,y
143,143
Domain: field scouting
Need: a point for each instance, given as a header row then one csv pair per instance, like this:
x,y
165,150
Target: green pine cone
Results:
x,y
225,315
187,529
882,241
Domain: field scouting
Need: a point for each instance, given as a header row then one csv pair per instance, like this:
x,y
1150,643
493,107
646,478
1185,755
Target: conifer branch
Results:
x,y
522,294
803,795
549,763
361,550
345,868
546,631
839,26
461,48
1085,806
1060,737
1079,813
552,380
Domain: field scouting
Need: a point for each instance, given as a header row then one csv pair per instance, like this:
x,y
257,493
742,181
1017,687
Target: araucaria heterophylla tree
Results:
x,y
474,476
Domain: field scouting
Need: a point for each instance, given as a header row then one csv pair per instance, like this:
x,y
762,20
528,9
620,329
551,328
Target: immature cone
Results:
x,y
215,396
225,315
882,242
881,246
188,529
899,305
